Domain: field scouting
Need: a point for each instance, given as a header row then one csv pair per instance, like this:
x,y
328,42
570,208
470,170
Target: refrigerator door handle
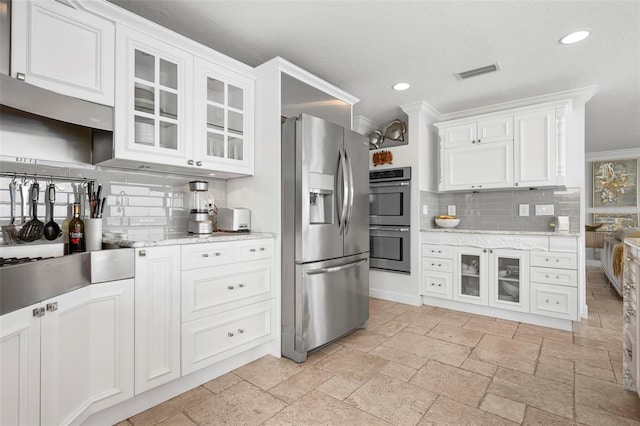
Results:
x,y
336,268
342,214
351,193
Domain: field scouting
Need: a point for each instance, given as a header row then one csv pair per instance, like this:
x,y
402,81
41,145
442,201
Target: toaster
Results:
x,y
234,219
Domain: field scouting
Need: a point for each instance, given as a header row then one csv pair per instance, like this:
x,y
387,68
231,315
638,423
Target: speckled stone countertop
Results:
x,y
181,238
484,231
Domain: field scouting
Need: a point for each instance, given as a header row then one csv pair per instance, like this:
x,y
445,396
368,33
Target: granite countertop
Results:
x,y
181,238
485,231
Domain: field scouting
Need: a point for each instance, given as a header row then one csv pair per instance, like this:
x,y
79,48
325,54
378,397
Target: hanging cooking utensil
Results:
x,y
33,229
9,232
395,130
51,229
24,201
375,139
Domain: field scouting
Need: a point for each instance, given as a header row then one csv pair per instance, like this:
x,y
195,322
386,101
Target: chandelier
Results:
x,y
613,180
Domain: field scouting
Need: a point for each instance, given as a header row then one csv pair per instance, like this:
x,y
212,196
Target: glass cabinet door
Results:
x,y
156,99
471,276
509,279
225,120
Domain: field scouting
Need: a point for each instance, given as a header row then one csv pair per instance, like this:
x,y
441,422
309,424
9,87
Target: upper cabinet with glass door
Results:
x,y
224,119
153,100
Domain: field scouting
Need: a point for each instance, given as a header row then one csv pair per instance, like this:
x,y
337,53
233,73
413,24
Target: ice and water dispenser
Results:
x,y
321,198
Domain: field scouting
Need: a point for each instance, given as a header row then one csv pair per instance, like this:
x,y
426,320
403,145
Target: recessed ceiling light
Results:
x,y
574,37
401,86
212,174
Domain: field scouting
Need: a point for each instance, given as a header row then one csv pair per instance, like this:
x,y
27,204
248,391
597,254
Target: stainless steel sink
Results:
x,y
28,283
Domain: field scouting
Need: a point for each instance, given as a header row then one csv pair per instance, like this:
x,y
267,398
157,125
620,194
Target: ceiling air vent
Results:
x,y
478,71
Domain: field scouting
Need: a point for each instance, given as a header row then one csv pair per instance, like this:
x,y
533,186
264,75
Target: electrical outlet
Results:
x,y
451,210
425,209
544,210
524,209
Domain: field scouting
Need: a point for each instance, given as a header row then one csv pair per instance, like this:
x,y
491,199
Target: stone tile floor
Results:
x,y
425,365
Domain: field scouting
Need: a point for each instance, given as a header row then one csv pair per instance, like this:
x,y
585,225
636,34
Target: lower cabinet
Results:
x,y
67,357
157,318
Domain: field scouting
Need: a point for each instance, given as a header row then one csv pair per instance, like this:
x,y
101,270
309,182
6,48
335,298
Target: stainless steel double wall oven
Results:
x,y
390,219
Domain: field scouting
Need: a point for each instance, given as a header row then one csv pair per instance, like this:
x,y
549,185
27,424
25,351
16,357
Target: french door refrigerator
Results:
x,y
325,238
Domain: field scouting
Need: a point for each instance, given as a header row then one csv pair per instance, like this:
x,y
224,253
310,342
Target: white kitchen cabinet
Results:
x,y
437,271
157,316
67,357
153,114
66,50
554,301
535,149
471,278
20,367
483,131
482,166
223,118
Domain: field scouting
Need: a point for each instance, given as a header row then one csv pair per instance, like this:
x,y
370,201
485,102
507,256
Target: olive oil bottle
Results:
x,y
76,231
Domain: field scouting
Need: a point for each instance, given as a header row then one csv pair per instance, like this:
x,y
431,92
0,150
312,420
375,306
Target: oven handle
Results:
x,y
381,184
336,268
386,228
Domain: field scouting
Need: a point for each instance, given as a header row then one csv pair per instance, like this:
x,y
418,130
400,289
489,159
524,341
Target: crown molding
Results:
x,y
612,155
422,107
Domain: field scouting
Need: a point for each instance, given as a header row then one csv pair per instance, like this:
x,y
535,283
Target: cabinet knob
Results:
x,y
20,76
38,312
479,140
440,285
52,307
479,186
252,250
557,260
241,285
190,162
557,302
261,248
240,331
198,163
142,253
473,142
217,253
230,334
546,260
547,276
547,301
516,183
205,254
230,287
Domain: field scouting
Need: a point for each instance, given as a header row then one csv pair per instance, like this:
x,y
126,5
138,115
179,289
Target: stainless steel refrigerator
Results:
x,y
325,238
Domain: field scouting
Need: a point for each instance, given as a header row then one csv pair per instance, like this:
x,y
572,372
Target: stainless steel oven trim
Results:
x,y
401,266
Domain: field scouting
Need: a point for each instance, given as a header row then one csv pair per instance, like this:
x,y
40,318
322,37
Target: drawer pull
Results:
x,y
240,331
230,287
205,254
217,253
38,312
547,301
557,260
547,259
230,334
240,285
52,307
252,250
440,285
261,248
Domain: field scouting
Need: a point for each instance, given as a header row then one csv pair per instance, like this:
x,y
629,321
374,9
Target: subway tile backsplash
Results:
x,y
140,204
499,210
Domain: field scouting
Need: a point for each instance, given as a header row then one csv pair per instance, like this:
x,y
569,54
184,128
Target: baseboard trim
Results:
x,y
395,297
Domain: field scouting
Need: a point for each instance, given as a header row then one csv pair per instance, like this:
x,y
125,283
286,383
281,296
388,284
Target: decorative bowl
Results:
x,y
510,289
447,223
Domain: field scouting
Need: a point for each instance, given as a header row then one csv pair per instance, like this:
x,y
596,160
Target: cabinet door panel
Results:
x,y
64,50
157,316
509,278
461,135
495,130
20,368
535,149
480,167
437,284
554,301
470,277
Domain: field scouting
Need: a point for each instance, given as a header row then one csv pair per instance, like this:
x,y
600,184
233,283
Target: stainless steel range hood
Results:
x,y
35,100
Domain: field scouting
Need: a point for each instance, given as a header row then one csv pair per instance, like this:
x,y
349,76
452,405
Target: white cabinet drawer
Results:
x,y
442,252
566,277
554,260
208,254
253,250
435,264
437,284
208,291
209,340
554,301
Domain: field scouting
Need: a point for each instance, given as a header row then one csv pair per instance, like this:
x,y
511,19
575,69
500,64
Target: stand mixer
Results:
x,y
202,202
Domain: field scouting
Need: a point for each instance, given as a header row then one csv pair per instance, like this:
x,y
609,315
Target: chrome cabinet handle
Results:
x,y
230,334
142,253
241,285
38,312
252,250
230,287
205,254
198,163
240,331
52,307
261,248
516,183
217,253
190,162
20,76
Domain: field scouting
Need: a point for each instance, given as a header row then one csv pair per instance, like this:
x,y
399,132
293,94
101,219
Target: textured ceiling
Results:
x,y
364,47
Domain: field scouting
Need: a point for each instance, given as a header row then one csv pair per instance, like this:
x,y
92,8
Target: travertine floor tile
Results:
x,y
479,367
362,340
170,408
390,328
331,348
379,317
499,328
460,336
338,387
530,338
545,332
399,308
505,408
316,408
607,396
427,347
352,364
534,416
178,420
608,305
449,412
576,353
611,321
595,372
268,371
397,402
243,403
555,369
583,341
399,357
379,304
549,395
397,371
421,319
299,384
416,329
595,417
223,382
508,353
455,383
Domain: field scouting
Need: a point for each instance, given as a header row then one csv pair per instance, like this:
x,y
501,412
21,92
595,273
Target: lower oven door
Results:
x,y
390,248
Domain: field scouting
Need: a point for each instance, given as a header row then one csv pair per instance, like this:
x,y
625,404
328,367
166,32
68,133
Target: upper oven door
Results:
x,y
389,203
